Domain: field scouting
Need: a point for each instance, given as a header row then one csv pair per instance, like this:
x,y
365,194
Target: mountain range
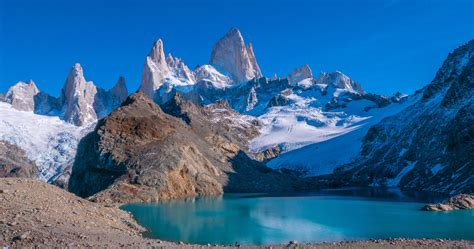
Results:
x,y
225,127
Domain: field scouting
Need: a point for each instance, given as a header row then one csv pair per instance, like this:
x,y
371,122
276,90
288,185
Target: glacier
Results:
x,y
47,140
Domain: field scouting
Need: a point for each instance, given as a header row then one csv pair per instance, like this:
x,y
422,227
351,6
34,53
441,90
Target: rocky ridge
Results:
x,y
196,156
429,145
79,103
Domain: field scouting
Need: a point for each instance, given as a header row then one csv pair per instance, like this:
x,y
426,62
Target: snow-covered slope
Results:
x,y
429,145
312,111
336,141
50,142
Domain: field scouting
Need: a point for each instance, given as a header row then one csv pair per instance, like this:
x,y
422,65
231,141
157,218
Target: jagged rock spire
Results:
x,y
157,54
77,98
159,69
253,60
154,70
232,55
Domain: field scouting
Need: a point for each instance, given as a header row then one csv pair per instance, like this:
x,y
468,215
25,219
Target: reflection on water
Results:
x,y
329,215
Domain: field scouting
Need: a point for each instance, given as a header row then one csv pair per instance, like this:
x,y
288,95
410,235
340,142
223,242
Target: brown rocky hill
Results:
x,y
14,163
141,153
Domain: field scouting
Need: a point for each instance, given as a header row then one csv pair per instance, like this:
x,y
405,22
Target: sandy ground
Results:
x,y
36,214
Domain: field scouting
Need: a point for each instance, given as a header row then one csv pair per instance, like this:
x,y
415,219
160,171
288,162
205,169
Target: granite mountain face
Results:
x,y
224,126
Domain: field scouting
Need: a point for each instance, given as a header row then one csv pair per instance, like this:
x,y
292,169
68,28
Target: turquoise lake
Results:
x,y
260,219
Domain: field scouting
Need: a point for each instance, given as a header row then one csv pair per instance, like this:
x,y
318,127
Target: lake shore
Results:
x,y
34,213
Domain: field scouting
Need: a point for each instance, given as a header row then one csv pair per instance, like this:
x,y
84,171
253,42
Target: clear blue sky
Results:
x,y
386,45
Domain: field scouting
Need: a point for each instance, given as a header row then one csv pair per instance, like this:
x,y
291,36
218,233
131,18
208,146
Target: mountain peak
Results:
x,y
76,72
299,74
232,55
155,69
77,98
21,95
235,34
340,81
120,90
157,52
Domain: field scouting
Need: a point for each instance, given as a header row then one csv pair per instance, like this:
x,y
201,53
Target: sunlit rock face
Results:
x,y
230,54
162,73
339,80
77,98
21,96
154,70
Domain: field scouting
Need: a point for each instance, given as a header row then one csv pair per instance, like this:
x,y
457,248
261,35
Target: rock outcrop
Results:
x,y
22,96
14,163
339,81
208,75
460,201
429,145
299,74
142,153
234,57
180,69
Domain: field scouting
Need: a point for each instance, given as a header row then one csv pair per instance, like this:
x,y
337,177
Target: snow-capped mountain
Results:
x,y
158,71
80,102
430,144
302,121
231,55
47,128
293,112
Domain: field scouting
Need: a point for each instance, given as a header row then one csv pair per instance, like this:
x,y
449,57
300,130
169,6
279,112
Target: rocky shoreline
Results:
x,y
460,201
37,214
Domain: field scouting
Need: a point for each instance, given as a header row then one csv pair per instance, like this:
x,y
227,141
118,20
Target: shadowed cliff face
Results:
x,y
430,145
14,163
140,153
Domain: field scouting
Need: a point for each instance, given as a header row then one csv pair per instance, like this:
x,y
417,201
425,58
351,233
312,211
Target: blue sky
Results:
x,y
386,45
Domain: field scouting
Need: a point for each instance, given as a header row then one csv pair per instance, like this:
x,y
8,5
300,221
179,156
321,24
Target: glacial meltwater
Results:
x,y
259,219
